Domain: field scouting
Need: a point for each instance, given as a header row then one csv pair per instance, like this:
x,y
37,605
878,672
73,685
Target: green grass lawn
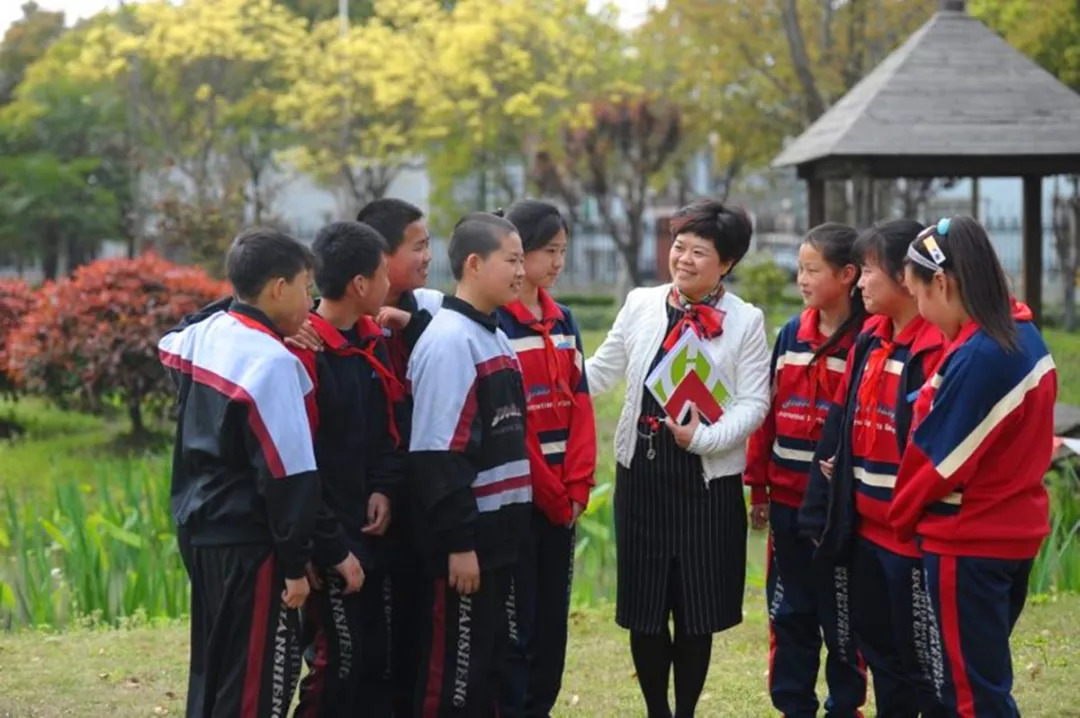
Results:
x,y
142,671
60,445
1065,348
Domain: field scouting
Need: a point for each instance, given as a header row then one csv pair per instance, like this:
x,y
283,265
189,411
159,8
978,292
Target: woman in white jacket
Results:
x,y
680,516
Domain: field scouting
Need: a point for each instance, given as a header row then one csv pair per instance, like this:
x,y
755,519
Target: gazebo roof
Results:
x,y
954,100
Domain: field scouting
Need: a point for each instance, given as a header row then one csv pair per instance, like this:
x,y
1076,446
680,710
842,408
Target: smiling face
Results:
x,y
543,266
498,277
695,265
408,265
821,284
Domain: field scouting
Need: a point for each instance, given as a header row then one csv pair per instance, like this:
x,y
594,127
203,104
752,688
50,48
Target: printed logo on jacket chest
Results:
x,y
507,419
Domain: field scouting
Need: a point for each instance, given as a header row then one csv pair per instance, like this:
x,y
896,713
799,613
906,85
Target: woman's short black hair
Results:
x,y
728,228
537,222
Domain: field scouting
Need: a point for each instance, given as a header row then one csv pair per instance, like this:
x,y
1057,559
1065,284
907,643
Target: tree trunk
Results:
x,y
138,426
1066,224
50,255
814,103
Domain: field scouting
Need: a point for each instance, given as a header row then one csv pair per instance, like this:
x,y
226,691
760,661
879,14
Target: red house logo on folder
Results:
x,y
693,390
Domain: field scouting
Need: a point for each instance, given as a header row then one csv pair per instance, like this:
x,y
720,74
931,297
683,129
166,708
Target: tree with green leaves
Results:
x,y
1048,31
25,41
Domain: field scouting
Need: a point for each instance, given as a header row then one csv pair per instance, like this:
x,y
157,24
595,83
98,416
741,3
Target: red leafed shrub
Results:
x,y
16,298
90,341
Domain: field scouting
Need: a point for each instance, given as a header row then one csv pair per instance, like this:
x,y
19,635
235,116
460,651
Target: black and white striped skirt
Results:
x,y
670,525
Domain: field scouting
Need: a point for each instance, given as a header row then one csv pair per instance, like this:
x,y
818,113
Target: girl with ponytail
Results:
x,y
970,487
808,363
853,476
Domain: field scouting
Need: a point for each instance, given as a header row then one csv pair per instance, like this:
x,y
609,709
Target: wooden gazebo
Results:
x,y
955,100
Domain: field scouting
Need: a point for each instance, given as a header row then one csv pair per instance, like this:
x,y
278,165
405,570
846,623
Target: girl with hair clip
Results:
x,y
561,442
803,593
854,473
970,487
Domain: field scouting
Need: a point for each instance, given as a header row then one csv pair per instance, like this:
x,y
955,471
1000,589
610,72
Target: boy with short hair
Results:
x,y
245,492
402,225
469,470
361,464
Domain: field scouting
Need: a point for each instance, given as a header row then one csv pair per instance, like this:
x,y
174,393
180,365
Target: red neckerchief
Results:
x,y
869,385
370,334
703,318
818,369
550,314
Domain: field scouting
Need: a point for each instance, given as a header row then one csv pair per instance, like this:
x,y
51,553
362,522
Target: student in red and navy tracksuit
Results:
x,y
469,473
562,460
245,493
970,487
361,464
807,598
866,434
403,227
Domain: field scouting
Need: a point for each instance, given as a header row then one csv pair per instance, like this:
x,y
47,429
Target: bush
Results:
x,y
585,300
761,281
91,339
16,298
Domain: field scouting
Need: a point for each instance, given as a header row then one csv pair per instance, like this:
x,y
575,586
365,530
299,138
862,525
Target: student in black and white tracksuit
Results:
x,y
469,472
245,494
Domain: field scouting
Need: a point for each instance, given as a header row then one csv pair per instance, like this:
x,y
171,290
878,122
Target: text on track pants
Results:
x,y
809,604
245,650
894,630
540,599
345,638
977,602
466,642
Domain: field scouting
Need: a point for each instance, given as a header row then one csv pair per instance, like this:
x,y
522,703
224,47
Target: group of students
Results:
x,y
406,468
385,485
901,471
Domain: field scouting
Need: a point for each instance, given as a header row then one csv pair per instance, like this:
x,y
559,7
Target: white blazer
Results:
x,y
740,351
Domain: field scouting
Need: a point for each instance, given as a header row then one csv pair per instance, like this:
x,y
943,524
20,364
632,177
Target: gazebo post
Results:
x,y
815,197
1033,245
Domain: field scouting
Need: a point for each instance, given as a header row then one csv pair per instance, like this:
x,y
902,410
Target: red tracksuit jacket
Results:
x,y
560,427
971,482
780,452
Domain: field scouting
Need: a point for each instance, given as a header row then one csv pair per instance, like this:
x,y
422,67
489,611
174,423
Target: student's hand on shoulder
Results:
x,y
684,434
393,318
306,338
464,572
353,573
827,467
296,592
378,515
759,516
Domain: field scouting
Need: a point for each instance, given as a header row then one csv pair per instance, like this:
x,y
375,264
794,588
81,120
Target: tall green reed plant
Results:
x,y
1057,567
104,549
